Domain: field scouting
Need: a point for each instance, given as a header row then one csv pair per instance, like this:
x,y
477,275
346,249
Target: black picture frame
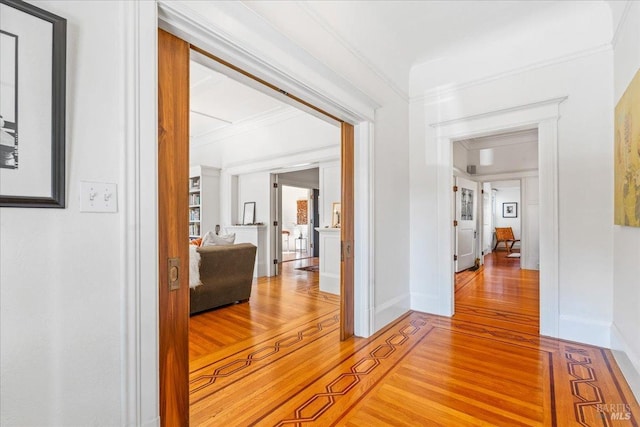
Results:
x,y
249,213
57,99
510,210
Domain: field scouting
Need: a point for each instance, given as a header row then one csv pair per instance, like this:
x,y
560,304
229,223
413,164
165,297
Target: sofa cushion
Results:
x,y
212,239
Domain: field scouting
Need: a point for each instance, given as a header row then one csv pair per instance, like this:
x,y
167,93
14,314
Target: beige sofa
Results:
x,y
226,273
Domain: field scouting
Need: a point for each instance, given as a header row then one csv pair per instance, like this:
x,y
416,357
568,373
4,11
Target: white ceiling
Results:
x,y
219,102
390,37
372,41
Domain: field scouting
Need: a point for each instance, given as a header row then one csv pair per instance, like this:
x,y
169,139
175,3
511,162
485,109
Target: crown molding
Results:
x,y
621,22
514,138
313,81
435,94
355,52
507,175
288,162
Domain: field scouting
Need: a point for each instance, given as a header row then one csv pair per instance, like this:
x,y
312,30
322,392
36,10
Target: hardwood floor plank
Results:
x,y
486,366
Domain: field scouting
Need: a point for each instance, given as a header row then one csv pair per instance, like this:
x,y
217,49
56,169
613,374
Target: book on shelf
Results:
x,y
195,183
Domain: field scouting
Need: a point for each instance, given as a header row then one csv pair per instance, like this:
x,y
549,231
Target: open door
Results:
x,y
173,228
346,234
465,223
276,223
315,222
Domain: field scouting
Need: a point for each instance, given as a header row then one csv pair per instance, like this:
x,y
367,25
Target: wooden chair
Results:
x,y
505,235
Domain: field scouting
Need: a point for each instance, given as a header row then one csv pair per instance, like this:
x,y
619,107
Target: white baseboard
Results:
x,y
154,422
426,303
391,310
586,331
628,360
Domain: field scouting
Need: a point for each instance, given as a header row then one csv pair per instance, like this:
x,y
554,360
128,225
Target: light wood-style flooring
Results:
x,y
278,361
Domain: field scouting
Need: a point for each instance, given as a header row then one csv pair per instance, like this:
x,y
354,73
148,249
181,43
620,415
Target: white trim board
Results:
x,y
139,254
628,360
544,115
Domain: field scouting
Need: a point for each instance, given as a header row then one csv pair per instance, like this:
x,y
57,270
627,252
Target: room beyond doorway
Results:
x,y
500,294
298,208
499,173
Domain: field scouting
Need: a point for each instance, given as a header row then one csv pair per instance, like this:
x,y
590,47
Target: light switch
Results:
x,y
98,197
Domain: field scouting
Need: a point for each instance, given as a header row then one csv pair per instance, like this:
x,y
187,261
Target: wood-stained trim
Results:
x,y
347,227
173,185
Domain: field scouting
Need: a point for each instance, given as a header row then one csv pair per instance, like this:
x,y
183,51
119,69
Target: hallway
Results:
x,y
499,294
283,363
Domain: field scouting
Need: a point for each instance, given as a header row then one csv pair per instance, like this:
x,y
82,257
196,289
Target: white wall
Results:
x,y
585,158
460,157
530,227
391,202
626,240
60,274
330,190
508,195
254,187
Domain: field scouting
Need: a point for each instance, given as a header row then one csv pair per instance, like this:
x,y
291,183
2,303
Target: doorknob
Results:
x,y
173,275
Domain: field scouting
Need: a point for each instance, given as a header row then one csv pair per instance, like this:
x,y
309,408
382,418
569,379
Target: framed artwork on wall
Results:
x,y
32,106
302,207
626,169
249,213
336,214
510,210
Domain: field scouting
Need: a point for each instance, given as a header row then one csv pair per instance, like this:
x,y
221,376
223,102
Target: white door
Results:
x,y
466,216
276,222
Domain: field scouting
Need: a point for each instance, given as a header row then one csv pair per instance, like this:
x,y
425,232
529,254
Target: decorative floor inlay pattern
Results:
x,y
598,399
233,367
485,366
323,399
541,381
313,291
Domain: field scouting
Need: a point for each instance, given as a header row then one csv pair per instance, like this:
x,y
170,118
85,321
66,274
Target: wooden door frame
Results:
x,y
172,205
174,368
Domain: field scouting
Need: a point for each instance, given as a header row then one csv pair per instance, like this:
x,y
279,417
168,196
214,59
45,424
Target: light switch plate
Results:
x,y
98,197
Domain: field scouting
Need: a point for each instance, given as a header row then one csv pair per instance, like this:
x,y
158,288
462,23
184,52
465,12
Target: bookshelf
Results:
x,y
204,200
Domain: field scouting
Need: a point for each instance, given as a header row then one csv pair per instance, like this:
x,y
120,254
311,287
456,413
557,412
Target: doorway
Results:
x,y
496,199
173,60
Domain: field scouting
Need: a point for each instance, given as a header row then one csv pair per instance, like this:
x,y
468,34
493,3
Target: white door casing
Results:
x,y
544,115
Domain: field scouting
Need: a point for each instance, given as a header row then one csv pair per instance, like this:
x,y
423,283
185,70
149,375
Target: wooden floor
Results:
x,y
278,361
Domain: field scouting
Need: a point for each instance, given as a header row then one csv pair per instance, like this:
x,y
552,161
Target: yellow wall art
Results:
x,y
627,156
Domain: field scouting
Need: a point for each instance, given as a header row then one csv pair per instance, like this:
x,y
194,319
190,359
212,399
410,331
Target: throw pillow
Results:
x,y
196,242
211,239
